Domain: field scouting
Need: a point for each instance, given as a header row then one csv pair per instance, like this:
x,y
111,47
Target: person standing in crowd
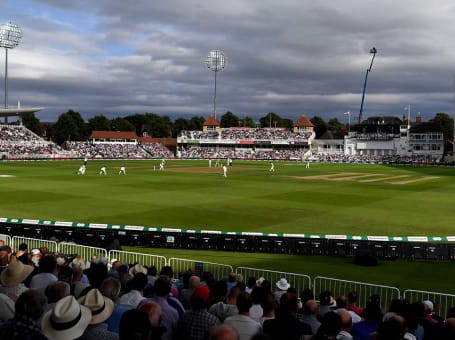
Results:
x,y
101,308
46,276
245,326
12,279
110,288
29,308
170,315
194,324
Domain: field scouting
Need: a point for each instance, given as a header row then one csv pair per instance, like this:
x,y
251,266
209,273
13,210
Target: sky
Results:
x,y
291,57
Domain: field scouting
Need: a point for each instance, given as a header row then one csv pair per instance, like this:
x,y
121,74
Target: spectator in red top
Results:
x,y
352,303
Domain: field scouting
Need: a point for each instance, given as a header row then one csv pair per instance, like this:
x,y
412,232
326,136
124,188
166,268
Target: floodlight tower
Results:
x,y
373,51
10,37
215,61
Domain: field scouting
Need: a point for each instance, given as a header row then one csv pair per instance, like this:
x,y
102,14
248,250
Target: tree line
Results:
x,y
71,126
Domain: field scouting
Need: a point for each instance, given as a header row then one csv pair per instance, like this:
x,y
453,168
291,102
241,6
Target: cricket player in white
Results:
x,y
307,156
122,170
81,170
103,171
272,167
224,171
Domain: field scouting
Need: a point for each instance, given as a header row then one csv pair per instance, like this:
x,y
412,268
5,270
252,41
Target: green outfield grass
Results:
x,y
349,199
352,199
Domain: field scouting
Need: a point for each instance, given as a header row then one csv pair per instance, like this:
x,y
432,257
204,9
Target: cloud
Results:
x,y
291,57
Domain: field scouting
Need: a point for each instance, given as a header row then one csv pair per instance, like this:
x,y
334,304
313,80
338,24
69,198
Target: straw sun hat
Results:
x,y
15,273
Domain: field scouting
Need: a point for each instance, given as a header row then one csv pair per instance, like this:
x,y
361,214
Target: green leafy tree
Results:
x,y
446,123
66,129
319,126
287,123
195,123
180,124
229,120
81,126
271,119
121,124
32,123
247,122
336,127
138,121
99,123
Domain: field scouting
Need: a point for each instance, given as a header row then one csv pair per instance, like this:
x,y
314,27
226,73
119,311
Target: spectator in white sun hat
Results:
x,y
67,320
282,285
102,308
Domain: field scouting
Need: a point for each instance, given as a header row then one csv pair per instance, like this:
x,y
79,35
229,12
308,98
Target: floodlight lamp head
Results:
x,y
216,60
10,35
374,50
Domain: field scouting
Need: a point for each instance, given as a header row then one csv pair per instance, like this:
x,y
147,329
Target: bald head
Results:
x,y
223,332
153,311
346,319
311,307
194,281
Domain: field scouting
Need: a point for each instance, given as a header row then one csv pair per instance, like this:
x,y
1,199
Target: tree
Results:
x,y
121,124
336,127
99,123
196,123
271,119
79,121
247,122
319,126
66,129
180,124
287,123
229,120
137,120
446,123
32,123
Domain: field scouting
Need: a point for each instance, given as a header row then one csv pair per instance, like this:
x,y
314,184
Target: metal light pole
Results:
x,y
348,113
10,37
215,61
373,51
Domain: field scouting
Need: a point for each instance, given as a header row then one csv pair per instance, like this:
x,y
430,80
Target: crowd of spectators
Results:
x,y
215,152
286,154
248,134
118,150
16,141
54,296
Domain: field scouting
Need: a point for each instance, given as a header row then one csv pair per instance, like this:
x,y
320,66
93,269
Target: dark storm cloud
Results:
x,y
292,57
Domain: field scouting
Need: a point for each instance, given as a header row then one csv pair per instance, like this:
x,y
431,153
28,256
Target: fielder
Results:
x,y
224,171
272,167
81,170
103,171
122,171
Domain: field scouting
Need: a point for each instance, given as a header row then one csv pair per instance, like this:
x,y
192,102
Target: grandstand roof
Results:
x,y
303,122
211,121
113,135
164,141
17,111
